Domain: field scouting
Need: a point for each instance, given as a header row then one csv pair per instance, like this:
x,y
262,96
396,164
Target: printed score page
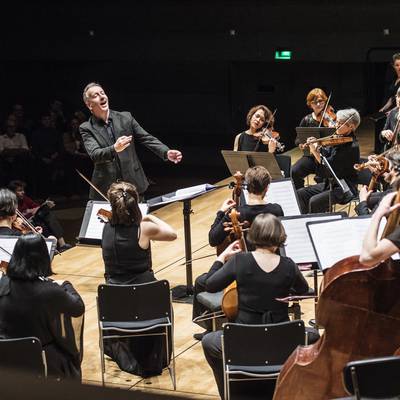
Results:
x,y
95,226
298,243
340,239
282,193
8,243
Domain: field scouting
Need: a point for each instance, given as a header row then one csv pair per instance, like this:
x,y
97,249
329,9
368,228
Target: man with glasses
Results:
x,y
341,158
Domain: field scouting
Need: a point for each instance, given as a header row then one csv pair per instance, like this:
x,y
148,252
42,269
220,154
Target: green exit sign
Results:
x,y
283,54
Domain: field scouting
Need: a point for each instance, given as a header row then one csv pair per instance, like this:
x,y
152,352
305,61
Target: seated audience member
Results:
x,y
261,276
258,180
39,214
342,157
15,154
127,260
76,158
31,304
47,148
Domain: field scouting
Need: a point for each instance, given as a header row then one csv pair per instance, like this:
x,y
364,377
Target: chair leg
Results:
x,y
172,371
355,383
103,364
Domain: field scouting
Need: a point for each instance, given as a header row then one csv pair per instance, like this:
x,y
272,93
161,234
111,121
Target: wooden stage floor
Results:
x,y
83,267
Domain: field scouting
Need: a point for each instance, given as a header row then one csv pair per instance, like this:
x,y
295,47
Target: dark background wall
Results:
x,y
189,71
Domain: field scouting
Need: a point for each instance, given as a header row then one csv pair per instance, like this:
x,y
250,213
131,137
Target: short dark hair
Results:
x,y
266,231
15,184
30,258
257,179
87,87
8,203
395,57
124,200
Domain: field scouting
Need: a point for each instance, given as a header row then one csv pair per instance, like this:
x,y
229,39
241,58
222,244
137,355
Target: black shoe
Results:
x,y
65,247
199,336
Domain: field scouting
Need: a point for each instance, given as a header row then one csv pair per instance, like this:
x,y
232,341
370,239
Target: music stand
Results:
x,y
242,160
184,293
332,177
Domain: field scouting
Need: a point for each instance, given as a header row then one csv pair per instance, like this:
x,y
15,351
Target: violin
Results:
x,y
357,304
230,301
237,187
378,165
104,215
332,140
267,134
22,224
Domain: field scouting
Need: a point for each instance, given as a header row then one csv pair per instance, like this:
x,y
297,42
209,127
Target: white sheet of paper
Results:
x,y
8,243
298,244
95,227
181,194
339,239
282,193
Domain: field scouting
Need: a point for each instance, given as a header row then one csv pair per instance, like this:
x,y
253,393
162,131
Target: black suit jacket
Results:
x,y
110,165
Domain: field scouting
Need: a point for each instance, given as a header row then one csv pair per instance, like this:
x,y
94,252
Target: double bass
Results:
x,y
359,307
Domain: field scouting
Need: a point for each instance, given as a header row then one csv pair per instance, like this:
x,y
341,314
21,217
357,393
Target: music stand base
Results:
x,y
182,294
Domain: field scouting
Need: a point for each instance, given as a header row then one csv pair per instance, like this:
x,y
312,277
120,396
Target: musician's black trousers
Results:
x,y
306,165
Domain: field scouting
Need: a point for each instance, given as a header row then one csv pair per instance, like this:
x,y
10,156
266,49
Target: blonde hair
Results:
x,y
266,231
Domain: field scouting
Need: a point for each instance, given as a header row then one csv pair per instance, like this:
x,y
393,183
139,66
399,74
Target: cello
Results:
x,y
359,307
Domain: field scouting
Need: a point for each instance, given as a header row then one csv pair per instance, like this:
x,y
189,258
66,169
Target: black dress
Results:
x,y
126,263
391,124
257,291
250,143
52,313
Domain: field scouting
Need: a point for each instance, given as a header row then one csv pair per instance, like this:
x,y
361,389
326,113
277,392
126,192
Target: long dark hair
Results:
x,y
124,200
30,259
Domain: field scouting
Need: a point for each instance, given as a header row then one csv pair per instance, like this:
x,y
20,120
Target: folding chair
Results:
x,y
213,302
24,354
136,310
375,378
258,352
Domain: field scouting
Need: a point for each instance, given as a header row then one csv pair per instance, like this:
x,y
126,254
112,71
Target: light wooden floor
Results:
x,y
83,266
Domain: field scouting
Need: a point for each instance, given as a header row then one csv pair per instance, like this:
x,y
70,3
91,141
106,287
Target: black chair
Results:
x,y
23,354
375,378
258,352
136,310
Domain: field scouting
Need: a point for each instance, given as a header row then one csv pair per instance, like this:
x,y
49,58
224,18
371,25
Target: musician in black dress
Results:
x,y
31,304
316,198
394,86
306,165
391,130
258,180
8,207
375,250
127,259
261,276
370,200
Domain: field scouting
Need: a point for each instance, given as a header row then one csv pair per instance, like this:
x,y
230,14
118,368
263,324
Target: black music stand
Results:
x,y
242,160
183,293
332,178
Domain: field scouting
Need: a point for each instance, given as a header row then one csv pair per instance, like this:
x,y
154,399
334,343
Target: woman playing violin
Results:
x,y
127,259
258,118
316,101
262,276
316,198
8,208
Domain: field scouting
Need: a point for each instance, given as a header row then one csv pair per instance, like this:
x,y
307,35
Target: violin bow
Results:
x,y
92,185
265,129
325,108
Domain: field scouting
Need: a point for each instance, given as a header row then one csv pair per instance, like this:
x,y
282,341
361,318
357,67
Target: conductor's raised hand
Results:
x,y
122,143
174,156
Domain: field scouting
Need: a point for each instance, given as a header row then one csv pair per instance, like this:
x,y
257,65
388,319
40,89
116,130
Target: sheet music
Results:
x,y
298,244
8,243
188,192
95,227
336,240
282,193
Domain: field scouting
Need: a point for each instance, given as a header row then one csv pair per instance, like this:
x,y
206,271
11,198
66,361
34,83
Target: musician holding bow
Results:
x,y
316,198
